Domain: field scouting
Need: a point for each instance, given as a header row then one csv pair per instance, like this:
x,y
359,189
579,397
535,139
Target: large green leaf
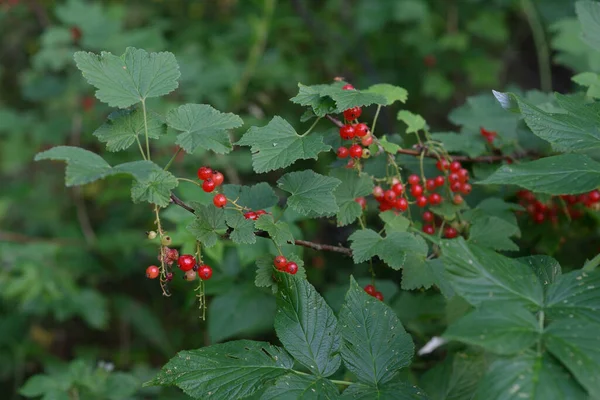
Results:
x,y
301,387
225,371
124,126
574,342
396,249
528,376
563,174
311,96
203,126
546,268
483,111
131,78
456,378
278,231
497,328
208,224
355,186
83,166
375,344
588,13
156,189
306,326
257,197
390,92
277,145
575,294
311,193
480,275
493,232
389,391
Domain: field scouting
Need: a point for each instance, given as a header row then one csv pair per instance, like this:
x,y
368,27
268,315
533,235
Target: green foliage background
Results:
x,y
74,299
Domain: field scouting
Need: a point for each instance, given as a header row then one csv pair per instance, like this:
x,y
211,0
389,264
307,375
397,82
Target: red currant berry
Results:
x,y
456,187
377,192
455,166
389,195
280,262
439,180
421,201
219,200
378,296
539,218
208,185
189,275
429,229
453,177
351,163
205,272
347,132
398,188
401,204
428,216
466,188
171,254
367,140
594,196
362,202
218,178
361,130
347,86
352,113
457,199
435,199
343,152
169,276
370,289
291,268
186,262
260,212
416,190
355,151
152,272
251,215
442,165
414,179
204,173
463,174
430,184
450,232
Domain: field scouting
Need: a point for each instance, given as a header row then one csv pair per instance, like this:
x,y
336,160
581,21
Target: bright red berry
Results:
x,y
355,151
414,179
204,173
450,232
416,190
361,130
428,216
456,187
439,180
343,152
389,195
398,188
347,86
435,199
463,174
594,196
280,262
205,272
430,184
186,262
362,202
466,188
219,200
218,178
421,201
401,204
291,268
367,140
347,132
370,289
251,215
152,272
442,164
377,192
352,113
453,177
429,229
378,296
351,163
208,185
455,166
260,212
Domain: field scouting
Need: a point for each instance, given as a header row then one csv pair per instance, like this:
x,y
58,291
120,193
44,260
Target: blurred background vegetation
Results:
x,y
74,302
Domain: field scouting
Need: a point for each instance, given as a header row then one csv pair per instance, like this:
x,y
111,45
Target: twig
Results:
x,y
304,243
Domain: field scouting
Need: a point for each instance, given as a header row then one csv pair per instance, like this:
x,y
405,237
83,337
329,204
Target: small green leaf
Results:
x,y
129,79
278,231
483,111
83,166
311,193
389,147
497,328
575,294
156,189
124,127
590,80
391,93
243,229
414,122
461,143
389,391
208,225
301,387
232,370
376,346
418,275
563,174
345,99
203,126
493,232
257,197
355,185
311,96
394,222
265,271
277,145
306,326
396,249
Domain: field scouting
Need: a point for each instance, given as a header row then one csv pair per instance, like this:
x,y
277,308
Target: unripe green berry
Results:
x,y
166,240
366,153
151,235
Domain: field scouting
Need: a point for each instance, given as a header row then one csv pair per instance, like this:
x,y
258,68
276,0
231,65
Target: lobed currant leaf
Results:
x,y
396,249
208,225
257,197
311,96
311,193
414,122
391,93
574,294
354,185
124,126
493,232
278,231
242,228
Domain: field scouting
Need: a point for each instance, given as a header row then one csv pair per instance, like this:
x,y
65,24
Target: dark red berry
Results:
x,y
343,152
421,201
463,174
219,200
355,151
430,184
218,178
347,86
435,199
362,202
416,190
453,177
361,130
169,276
260,212
208,185
389,195
594,196
455,166
429,229
205,272
466,188
87,103
401,204
450,232
367,140
439,180
347,132
291,268
428,216
414,179
280,262
352,113
251,215
378,296
186,262
370,289
204,173
152,272
398,188
442,165
456,187
75,33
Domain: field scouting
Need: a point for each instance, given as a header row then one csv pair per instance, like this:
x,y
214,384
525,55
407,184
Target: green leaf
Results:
x,y
39,385
131,78
311,96
225,371
480,275
590,80
243,229
396,249
414,122
461,143
574,342
208,225
156,189
124,126
301,387
456,377
394,222
265,271
345,99
497,328
563,174
243,310
389,147
483,111
528,376
389,391
588,14
575,294
277,145
83,166
355,185
546,268
306,326
203,126
493,232
278,231
311,193
418,275
258,197
391,93
375,344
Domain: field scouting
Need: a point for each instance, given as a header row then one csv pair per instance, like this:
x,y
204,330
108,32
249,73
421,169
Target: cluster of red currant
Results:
x,y
431,222
186,262
489,136
211,179
282,264
570,205
355,131
370,289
